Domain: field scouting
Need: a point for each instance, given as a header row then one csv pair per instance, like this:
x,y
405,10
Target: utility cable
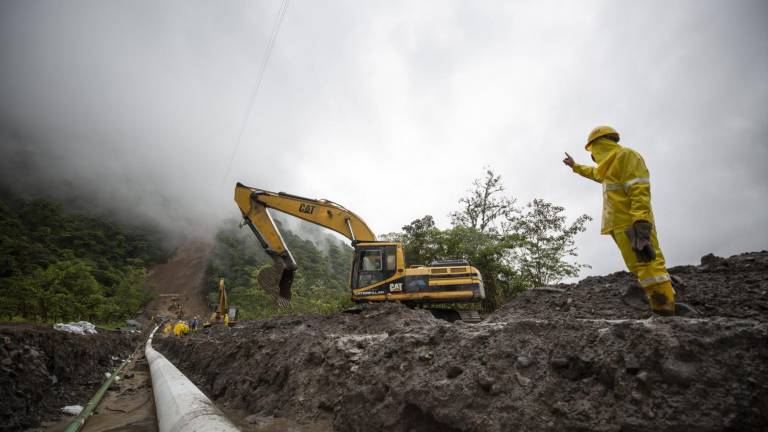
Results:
x,y
257,85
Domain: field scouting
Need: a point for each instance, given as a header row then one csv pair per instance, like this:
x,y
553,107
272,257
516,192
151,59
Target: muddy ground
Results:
x,y
43,370
574,358
128,404
183,275
736,287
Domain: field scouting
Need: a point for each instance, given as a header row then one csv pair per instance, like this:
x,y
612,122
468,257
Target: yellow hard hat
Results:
x,y
598,132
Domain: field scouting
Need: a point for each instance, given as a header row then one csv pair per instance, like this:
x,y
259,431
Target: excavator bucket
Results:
x,y
277,281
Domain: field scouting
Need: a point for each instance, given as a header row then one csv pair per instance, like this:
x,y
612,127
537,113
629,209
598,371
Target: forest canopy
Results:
x,y
57,265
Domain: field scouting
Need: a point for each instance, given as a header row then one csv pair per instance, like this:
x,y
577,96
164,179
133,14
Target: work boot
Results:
x,y
661,298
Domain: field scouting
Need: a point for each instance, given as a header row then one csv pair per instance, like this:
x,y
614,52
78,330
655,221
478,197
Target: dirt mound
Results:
x,y
184,275
43,370
588,366
736,287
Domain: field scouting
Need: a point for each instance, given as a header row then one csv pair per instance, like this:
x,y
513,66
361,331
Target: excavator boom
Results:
x,y
254,204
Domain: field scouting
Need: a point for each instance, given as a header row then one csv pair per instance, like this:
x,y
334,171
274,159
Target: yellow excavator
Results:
x,y
223,312
378,268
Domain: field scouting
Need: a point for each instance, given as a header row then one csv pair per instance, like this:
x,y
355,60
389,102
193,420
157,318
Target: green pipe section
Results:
x,y
79,421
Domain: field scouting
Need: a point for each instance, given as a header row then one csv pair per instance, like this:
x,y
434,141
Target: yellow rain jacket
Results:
x,y
180,329
626,185
626,199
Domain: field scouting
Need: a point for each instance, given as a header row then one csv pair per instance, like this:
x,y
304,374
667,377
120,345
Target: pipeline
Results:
x,y
180,405
79,421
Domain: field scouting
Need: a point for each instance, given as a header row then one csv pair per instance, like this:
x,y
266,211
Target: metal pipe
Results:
x,y
79,421
180,405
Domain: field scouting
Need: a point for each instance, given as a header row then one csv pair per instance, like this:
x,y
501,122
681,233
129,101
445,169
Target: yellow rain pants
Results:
x,y
653,276
627,199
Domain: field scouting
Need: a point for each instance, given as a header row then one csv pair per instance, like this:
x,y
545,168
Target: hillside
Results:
x,y
58,265
320,284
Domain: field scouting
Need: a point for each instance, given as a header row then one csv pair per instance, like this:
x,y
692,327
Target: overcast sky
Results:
x,y
392,108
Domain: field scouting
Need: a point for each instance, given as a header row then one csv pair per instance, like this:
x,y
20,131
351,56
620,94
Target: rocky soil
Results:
x,y
570,357
736,287
43,370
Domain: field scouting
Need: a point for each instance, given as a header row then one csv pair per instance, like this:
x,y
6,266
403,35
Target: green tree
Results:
x,y
132,292
478,234
485,206
339,264
17,297
68,290
56,264
543,242
513,248
422,241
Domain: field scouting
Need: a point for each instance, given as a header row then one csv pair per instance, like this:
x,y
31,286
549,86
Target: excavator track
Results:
x,y
470,316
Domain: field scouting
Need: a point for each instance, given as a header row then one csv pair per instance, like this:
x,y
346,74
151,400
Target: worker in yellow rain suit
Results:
x,y
627,214
180,329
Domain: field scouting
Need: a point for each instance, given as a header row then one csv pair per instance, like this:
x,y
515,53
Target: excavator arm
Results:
x,y
254,204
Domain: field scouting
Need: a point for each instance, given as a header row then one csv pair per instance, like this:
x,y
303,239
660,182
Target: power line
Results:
x,y
267,54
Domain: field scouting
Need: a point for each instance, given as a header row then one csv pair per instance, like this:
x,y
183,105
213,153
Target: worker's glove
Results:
x,y
639,234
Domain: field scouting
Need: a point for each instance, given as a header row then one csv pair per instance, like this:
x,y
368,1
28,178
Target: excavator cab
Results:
x,y
374,263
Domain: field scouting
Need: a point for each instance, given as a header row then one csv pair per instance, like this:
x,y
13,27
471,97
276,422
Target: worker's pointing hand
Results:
x,y
568,160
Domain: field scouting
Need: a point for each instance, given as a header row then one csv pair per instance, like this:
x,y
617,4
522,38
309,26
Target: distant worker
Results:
x,y
180,329
194,323
226,319
627,214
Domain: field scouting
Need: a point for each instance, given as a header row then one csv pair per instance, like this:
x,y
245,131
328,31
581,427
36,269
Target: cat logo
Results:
x,y
396,287
307,208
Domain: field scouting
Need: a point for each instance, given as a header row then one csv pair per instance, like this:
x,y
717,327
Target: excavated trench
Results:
x,y
42,370
572,358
